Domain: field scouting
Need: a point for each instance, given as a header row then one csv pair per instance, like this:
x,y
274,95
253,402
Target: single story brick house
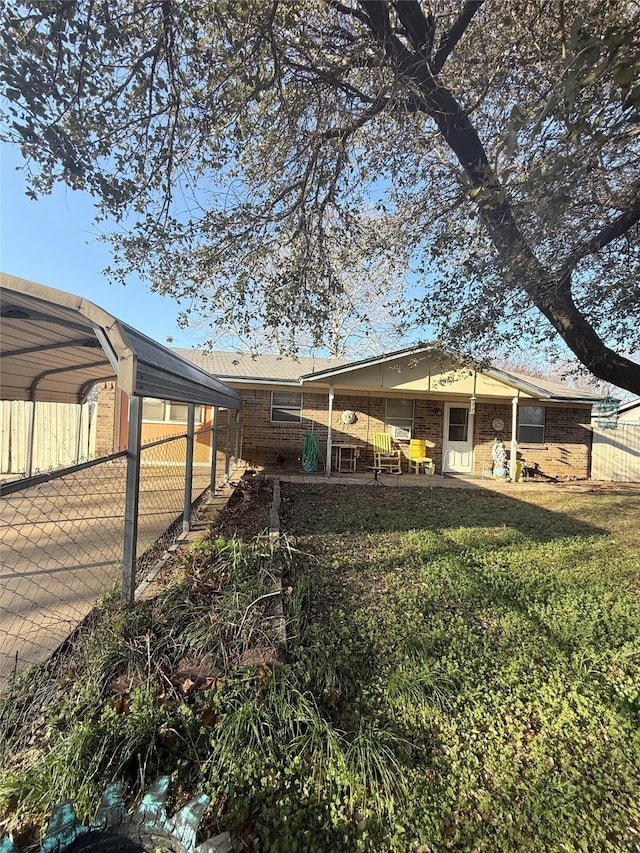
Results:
x,y
419,392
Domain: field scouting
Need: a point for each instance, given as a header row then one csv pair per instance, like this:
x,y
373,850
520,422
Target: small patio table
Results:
x,y
376,472
350,460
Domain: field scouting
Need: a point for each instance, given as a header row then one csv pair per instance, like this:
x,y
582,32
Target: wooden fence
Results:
x,y
616,453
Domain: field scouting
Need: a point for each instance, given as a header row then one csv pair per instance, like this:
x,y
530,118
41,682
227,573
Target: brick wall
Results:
x,y
270,445
565,453
428,419
105,419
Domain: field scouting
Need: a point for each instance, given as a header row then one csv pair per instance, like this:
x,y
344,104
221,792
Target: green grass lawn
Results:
x,y
464,674
499,638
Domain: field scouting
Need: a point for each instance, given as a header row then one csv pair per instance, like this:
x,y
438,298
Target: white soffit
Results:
x,y
54,346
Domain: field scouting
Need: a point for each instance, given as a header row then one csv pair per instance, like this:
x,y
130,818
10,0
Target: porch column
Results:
x,y
471,423
514,436
327,466
132,499
188,472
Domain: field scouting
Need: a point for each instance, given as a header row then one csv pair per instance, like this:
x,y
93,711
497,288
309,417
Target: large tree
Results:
x,y
244,147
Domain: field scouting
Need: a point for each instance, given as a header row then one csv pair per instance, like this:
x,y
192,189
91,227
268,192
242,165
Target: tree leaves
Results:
x,y
244,144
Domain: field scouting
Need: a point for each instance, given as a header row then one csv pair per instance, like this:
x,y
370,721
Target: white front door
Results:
x,y
458,443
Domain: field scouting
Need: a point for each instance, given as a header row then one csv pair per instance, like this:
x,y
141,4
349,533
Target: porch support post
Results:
x,y
327,466
132,499
472,419
514,436
188,474
470,428
214,450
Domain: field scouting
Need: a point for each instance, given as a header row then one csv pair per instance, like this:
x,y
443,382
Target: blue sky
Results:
x,y
54,242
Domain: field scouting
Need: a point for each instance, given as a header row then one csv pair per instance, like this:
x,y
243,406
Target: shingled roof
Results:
x,y
268,368
273,369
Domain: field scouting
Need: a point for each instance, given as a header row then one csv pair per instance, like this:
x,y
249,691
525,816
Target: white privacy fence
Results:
x,y
616,453
63,434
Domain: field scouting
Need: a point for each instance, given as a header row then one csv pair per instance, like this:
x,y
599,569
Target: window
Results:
x,y
286,407
399,419
531,425
458,423
164,411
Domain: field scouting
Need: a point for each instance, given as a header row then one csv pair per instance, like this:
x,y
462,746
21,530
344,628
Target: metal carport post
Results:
x,y
214,450
188,478
132,499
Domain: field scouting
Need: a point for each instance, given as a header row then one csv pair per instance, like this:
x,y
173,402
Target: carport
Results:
x,y
56,346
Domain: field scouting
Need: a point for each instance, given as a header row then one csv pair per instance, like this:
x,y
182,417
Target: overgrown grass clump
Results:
x,y
462,673
195,684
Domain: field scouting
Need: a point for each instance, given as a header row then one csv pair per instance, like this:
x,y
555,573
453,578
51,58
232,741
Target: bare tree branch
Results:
x,y
610,232
420,27
344,132
451,38
351,11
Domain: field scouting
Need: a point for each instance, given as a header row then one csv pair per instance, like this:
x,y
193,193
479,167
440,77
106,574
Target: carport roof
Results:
x,y
55,346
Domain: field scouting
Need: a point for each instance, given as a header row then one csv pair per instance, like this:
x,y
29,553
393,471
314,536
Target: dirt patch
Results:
x,y
246,515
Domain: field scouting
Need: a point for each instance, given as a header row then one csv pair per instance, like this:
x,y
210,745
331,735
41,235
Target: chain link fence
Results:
x,y
62,534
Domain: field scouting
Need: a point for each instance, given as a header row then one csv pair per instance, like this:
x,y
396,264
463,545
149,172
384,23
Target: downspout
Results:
x,y
236,452
227,450
514,442
327,465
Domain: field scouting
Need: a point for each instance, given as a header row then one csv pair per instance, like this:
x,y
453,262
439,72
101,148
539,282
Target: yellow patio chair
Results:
x,y
385,457
418,457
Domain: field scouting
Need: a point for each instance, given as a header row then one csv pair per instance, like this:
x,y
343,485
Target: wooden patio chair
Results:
x,y
385,456
418,458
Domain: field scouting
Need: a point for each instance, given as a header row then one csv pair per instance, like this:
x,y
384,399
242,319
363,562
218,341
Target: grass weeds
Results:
x,y
463,674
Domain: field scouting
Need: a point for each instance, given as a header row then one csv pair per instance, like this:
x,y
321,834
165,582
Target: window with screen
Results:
x,y
164,411
286,407
399,418
531,424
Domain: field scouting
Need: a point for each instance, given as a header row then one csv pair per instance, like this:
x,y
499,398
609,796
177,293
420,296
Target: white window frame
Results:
x,y
529,425
166,412
284,407
401,429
